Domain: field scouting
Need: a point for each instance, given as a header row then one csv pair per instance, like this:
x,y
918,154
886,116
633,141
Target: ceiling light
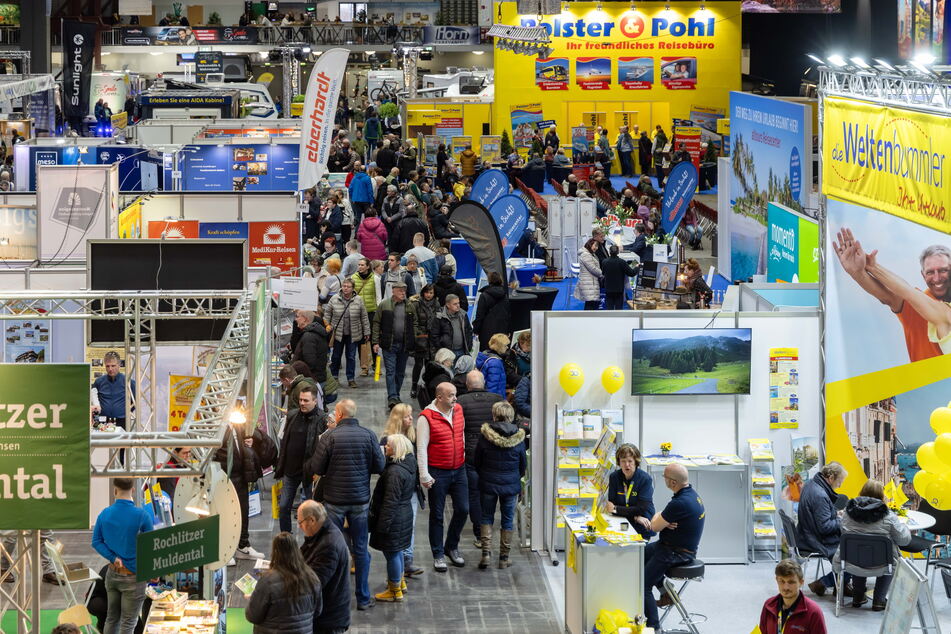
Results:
x,y
599,5
199,504
924,57
858,61
478,52
816,59
921,68
306,50
154,53
263,55
4,242
837,60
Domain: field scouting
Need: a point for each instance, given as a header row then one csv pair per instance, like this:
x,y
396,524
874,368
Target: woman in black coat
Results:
x,y
493,315
391,512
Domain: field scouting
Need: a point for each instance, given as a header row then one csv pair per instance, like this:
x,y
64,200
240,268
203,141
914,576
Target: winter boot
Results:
x,y
505,544
403,583
486,539
392,592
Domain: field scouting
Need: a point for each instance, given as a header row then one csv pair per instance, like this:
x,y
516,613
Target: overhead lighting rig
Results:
x,y
522,40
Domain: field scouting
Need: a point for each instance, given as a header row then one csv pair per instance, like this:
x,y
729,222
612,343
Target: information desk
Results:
x,y
600,576
725,491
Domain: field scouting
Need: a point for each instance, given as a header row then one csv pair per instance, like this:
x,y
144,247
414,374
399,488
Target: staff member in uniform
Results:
x,y
631,490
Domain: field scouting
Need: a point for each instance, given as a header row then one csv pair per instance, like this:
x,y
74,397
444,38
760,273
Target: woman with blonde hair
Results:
x,y
492,366
391,514
333,280
402,422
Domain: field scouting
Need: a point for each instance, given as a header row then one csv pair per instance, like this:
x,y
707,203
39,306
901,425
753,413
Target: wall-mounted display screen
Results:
x,y
691,361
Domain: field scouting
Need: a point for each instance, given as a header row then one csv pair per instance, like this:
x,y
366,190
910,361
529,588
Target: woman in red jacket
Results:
x,y
790,611
372,236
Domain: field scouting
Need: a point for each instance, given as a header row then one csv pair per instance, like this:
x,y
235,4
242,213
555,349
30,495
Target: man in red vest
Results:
x,y
441,446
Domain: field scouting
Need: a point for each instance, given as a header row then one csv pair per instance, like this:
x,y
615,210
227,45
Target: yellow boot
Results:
x,y
392,593
403,584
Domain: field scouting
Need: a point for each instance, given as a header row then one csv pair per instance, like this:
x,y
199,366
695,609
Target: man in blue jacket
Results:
x,y
361,193
819,527
346,456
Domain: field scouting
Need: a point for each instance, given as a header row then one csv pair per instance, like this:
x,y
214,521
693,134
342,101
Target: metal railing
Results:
x,y
323,34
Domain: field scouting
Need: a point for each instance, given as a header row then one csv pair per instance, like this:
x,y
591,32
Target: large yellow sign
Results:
x,y
652,64
182,390
889,159
130,220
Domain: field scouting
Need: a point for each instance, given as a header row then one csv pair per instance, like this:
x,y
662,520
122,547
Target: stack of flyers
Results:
x,y
761,449
764,527
262,564
569,457
568,483
725,458
763,501
588,484
571,424
763,474
588,457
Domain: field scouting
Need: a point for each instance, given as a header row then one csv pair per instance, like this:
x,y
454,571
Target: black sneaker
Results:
x,y
455,558
366,606
439,564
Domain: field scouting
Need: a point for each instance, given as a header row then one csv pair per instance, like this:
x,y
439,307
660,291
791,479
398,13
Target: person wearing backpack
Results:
x,y
490,363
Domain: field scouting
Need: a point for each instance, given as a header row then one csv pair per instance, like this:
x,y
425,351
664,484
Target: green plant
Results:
x,y
298,99
214,19
505,145
389,109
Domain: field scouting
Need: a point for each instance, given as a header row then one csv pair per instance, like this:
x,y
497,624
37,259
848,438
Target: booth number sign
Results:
x,y
44,446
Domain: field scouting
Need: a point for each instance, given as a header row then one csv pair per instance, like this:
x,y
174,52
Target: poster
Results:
x,y
68,215
223,230
130,221
885,344
94,357
689,138
923,24
44,466
580,138
173,229
706,117
593,73
18,227
459,144
905,23
769,139
257,167
552,73
431,143
678,73
274,244
635,73
792,246
524,120
490,148
182,390
26,340
937,23
784,388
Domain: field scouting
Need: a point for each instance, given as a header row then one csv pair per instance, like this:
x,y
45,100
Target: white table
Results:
x,y
919,521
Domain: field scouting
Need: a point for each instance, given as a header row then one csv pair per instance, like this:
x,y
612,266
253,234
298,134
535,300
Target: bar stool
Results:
x,y
685,573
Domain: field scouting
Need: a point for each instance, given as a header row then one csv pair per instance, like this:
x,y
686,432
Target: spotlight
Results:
x,y
599,5
837,60
199,504
4,242
305,50
237,417
858,61
816,59
633,7
924,57
884,64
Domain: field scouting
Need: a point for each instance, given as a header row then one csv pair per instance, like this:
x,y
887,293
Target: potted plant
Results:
x,y
665,448
505,145
214,19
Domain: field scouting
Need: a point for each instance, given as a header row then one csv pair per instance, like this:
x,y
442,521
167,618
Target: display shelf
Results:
x,y
763,493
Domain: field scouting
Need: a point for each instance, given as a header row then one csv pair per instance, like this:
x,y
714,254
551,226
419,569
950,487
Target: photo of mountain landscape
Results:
x,y
691,361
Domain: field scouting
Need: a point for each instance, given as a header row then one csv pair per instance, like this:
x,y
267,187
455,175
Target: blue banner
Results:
x,y
489,187
251,167
678,192
223,230
511,217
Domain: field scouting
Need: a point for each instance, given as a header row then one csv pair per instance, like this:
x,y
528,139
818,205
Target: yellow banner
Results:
x,y
888,159
182,390
120,120
130,220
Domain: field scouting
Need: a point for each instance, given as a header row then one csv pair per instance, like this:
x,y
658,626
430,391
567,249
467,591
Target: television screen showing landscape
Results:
x,y
688,361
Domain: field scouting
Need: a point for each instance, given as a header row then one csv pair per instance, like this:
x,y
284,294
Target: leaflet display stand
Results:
x,y
910,594
763,493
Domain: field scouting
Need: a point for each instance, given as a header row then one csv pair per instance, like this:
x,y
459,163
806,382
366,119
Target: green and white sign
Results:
x,y
792,246
176,548
44,446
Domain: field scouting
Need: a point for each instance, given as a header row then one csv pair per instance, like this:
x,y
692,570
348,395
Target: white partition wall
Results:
x,y
701,424
219,207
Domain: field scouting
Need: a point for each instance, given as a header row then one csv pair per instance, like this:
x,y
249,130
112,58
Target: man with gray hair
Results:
x,y
452,328
349,266
935,262
819,526
392,209
325,551
680,526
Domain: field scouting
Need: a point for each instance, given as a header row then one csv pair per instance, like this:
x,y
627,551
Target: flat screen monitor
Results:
x,y
690,361
659,275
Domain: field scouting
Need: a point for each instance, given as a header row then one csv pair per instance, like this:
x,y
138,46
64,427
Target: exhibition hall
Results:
x,y
510,316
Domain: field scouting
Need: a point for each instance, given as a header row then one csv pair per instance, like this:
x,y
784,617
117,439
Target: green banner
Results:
x,y
176,548
44,446
259,361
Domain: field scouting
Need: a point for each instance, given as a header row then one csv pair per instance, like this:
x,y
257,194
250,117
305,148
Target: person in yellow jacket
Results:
x,y
364,285
468,160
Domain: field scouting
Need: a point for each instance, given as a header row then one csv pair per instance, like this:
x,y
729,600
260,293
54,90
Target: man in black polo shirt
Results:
x,y
680,525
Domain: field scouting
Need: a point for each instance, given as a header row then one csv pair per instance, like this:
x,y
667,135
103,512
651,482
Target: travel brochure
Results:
x,y
763,501
691,460
761,449
763,474
784,388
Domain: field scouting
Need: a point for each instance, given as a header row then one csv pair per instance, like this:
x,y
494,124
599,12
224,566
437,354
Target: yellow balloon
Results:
x,y
612,379
922,480
571,378
941,420
939,494
929,461
942,447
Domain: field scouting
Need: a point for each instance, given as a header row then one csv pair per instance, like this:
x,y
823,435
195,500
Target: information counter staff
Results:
x,y
631,490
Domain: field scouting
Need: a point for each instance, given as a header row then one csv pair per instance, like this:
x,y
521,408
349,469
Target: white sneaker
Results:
x,y
232,562
248,553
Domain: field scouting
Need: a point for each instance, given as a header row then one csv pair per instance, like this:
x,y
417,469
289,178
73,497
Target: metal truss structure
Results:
x,y
918,91
207,418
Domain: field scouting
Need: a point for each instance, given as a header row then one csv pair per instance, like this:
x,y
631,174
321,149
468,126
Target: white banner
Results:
x,y
11,90
74,204
320,104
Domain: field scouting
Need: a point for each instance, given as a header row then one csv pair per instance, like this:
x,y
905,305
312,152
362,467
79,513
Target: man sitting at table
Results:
x,y
819,525
680,525
631,490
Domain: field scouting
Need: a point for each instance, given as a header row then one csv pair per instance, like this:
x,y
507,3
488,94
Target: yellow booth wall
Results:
x,y
711,38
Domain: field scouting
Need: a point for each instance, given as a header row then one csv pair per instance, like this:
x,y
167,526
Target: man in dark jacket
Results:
x,y
476,406
819,525
401,240
386,158
294,383
325,551
643,250
493,313
644,152
394,336
446,285
442,229
452,328
346,456
304,426
312,348
616,271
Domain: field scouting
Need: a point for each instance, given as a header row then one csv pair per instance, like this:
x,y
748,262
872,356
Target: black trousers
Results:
x,y
614,301
241,487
